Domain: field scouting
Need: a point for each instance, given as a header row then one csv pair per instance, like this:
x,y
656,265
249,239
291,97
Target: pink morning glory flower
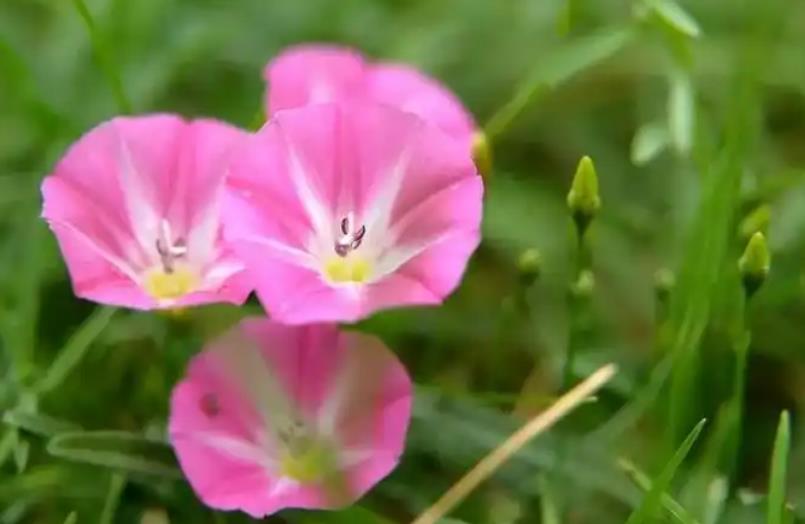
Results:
x,y
340,210
308,74
135,207
272,416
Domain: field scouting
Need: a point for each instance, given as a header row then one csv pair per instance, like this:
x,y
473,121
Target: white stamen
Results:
x,y
350,240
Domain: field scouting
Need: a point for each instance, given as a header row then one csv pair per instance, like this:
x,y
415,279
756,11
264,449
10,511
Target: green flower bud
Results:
x,y
584,285
583,198
664,281
754,264
482,154
530,266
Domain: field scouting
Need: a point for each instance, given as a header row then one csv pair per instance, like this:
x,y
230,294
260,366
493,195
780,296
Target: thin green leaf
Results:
x,y
105,57
779,468
128,452
648,142
116,484
7,444
72,518
548,508
37,423
715,500
675,17
21,453
15,512
75,349
354,515
704,259
556,68
670,504
681,111
480,429
650,506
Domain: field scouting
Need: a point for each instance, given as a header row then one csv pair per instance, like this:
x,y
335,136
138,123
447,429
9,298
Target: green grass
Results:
x,y
776,512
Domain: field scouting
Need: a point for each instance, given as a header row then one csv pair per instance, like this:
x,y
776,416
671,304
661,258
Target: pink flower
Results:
x,y
272,417
135,206
340,210
309,74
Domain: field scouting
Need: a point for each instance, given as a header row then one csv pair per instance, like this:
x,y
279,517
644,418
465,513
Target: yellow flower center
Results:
x,y
342,270
311,465
163,285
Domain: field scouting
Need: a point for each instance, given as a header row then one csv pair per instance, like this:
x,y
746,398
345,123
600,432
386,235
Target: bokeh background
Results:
x,y
694,114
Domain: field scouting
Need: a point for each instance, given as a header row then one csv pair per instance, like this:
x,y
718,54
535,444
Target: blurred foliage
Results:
x,y
694,113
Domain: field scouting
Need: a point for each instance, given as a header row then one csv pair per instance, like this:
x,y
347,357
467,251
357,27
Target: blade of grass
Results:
x,y
105,57
557,68
650,506
354,515
75,349
116,484
715,500
644,482
779,468
548,508
705,257
37,423
7,445
72,518
500,455
20,329
119,450
481,429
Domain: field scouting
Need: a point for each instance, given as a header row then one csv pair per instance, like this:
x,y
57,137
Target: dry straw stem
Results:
x,y
498,456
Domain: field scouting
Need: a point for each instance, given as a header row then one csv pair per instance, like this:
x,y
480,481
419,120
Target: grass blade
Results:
x,y
681,112
779,468
116,485
75,349
648,142
355,515
38,424
548,507
500,455
676,17
643,481
118,450
105,57
650,506
555,69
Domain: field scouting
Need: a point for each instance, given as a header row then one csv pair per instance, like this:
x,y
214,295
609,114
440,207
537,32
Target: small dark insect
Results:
x,y
209,405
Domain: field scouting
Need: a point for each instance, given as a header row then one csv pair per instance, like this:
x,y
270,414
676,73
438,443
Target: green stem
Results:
x,y
105,57
741,345
577,301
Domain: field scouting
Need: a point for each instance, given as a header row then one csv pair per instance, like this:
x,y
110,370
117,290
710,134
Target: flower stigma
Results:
x,y
304,458
172,278
347,266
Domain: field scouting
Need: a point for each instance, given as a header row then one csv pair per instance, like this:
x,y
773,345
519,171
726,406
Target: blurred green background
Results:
x,y
695,116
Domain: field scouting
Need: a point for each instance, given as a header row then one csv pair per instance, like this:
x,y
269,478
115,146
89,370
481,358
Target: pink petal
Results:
x,y
372,409
413,187
198,180
109,194
348,387
219,479
408,89
311,74
94,256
